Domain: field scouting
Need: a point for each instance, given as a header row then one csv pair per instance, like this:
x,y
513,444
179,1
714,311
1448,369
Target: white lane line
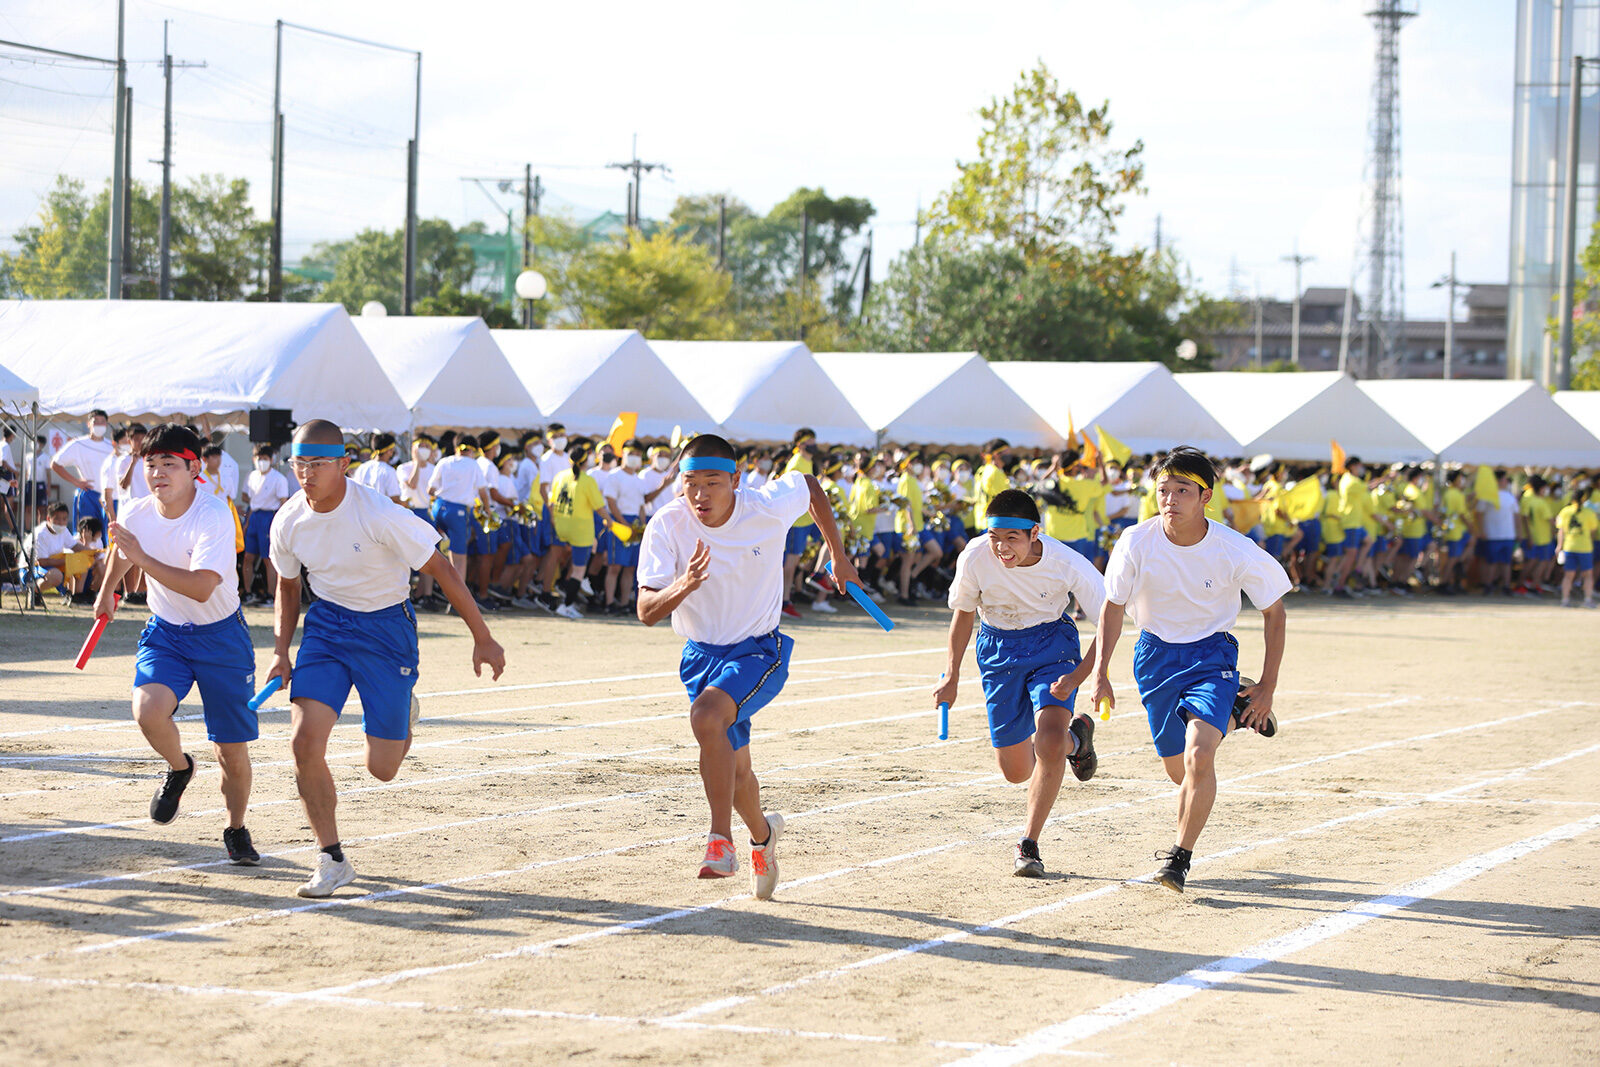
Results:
x,y
1003,922
590,802
1118,805
1148,1001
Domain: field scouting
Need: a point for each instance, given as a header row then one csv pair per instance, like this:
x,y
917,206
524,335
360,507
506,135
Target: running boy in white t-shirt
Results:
x,y
358,550
1180,574
1020,583
183,540
713,559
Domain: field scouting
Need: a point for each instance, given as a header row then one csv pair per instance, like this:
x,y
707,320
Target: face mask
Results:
x,y
941,476
764,465
633,463
263,465
53,528
558,443
1114,475
917,469
660,463
97,432
535,451
847,471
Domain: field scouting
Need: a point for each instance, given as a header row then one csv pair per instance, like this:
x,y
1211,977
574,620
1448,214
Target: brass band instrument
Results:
x,y
488,521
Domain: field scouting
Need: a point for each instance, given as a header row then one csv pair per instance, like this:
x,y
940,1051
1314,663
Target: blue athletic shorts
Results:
x,y
624,555
1413,547
1456,549
1274,545
1379,545
890,541
751,672
1540,552
481,543
1499,551
1334,549
1087,549
455,522
931,539
1179,682
798,538
580,553
258,533
950,535
1354,537
375,651
1310,536
86,504
217,657
1016,668
1578,562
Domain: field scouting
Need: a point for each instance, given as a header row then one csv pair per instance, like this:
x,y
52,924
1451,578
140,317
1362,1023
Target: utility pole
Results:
x,y
722,232
1294,329
1158,236
638,169
805,263
114,236
1258,359
916,241
1450,281
127,190
167,67
410,289
275,256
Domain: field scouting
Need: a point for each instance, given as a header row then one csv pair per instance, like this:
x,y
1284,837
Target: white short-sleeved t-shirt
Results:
x,y
230,476
47,544
552,464
418,497
1184,594
1500,524
626,488
360,555
376,474
1015,598
87,456
267,491
527,474
201,539
743,591
650,480
456,480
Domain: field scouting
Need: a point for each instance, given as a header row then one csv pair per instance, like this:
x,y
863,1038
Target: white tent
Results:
x,y
1137,403
1583,405
1504,423
584,378
449,372
941,398
16,394
1298,416
164,357
764,390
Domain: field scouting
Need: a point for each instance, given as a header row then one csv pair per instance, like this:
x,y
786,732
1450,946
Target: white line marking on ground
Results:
x,y
1148,1001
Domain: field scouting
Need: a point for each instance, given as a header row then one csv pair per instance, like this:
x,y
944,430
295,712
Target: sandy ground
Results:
x,y
1408,872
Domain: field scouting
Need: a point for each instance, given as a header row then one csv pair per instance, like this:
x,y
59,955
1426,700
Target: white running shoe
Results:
x,y
588,590
722,859
331,874
764,860
822,606
524,603
416,712
567,611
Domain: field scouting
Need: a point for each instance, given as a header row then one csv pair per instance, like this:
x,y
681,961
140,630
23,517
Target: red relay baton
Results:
x,y
100,622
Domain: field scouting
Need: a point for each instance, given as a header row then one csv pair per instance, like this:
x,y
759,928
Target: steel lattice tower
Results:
x,y
1383,257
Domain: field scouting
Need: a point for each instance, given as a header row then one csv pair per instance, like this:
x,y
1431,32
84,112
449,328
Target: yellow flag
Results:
x,y
1338,458
1111,446
1486,487
622,429
1300,503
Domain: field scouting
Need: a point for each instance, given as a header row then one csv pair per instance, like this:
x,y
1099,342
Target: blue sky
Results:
x,y
1253,112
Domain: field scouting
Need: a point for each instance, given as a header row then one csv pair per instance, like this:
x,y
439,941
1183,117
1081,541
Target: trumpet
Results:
x,y
487,519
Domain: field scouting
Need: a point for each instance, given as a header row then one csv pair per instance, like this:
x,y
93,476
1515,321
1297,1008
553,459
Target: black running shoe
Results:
x,y
164,805
1028,864
1241,704
1173,870
241,853
1083,760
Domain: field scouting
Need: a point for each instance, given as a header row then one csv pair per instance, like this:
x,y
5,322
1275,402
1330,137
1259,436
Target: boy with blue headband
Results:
x,y
1020,583
1181,575
713,559
358,549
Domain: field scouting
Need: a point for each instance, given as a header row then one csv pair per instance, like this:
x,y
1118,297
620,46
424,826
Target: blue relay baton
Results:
x,y
272,686
944,721
860,596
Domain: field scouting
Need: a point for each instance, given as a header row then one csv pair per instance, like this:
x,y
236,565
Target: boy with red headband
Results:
x,y
713,559
183,540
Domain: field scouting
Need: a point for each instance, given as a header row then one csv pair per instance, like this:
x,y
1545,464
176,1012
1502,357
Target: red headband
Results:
x,y
177,453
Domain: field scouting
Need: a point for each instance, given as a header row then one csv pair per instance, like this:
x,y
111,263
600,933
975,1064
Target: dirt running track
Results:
x,y
1407,872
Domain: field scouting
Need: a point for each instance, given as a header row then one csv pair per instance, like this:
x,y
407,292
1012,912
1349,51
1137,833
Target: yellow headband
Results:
x,y
1195,478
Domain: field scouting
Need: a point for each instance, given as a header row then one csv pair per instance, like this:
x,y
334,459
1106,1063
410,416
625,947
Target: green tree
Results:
x,y
1586,317
662,286
452,301
371,266
215,241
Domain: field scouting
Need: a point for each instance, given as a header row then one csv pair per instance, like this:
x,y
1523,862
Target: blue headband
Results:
x,y
1006,522
300,448
708,463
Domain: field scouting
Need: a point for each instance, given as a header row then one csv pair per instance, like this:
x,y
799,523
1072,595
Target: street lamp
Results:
x,y
531,286
373,309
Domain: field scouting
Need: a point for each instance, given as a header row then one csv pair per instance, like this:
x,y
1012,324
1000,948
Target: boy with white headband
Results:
x,y
1020,582
713,559
1181,574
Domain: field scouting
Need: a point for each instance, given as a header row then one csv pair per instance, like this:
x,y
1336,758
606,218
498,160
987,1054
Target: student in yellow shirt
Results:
x,y
1334,539
575,497
1413,510
1075,505
802,458
1578,523
1539,548
991,479
1455,531
911,525
1355,515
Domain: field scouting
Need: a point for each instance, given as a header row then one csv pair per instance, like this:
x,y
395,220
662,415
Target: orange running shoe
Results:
x,y
722,859
764,860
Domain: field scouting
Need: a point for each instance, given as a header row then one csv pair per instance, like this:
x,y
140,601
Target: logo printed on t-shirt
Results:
x,y
1208,583
357,546
755,551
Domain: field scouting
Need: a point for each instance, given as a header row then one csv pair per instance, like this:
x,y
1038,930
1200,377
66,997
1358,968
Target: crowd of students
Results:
x,y
545,521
